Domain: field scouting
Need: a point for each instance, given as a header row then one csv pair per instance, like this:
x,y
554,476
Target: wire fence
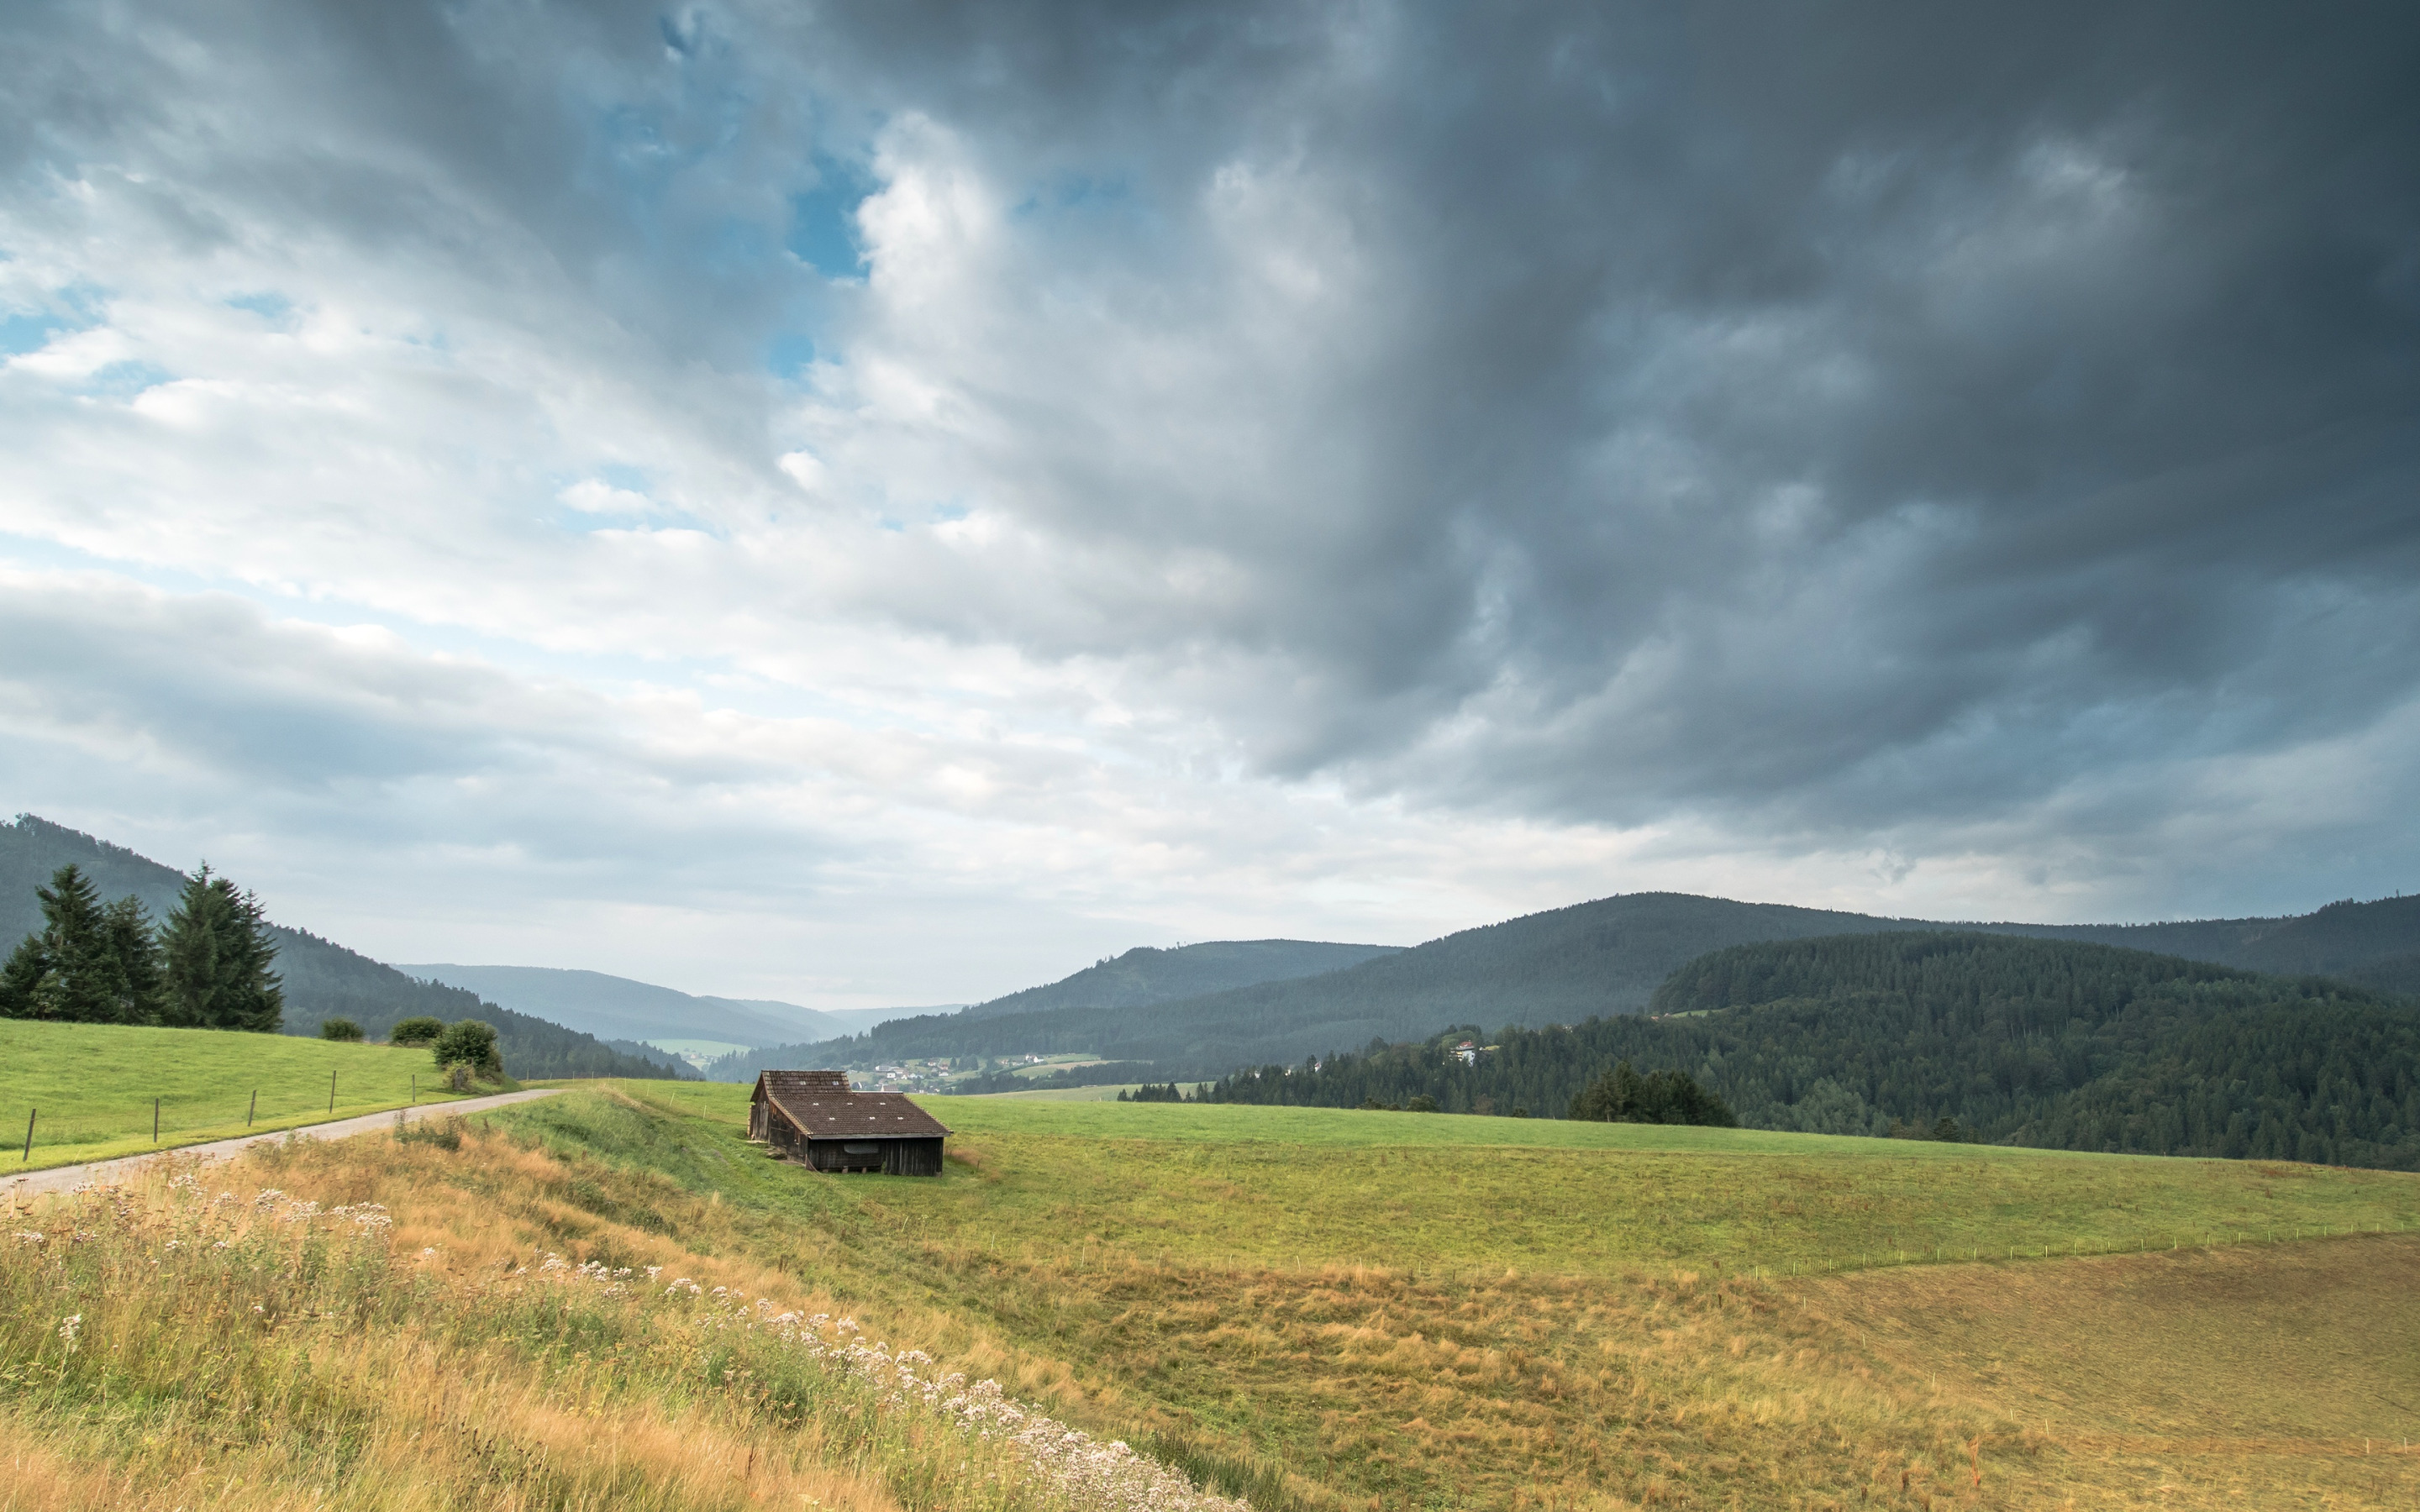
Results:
x,y
27,1129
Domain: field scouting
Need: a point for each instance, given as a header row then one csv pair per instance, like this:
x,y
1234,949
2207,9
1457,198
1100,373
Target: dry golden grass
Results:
x,y
410,1347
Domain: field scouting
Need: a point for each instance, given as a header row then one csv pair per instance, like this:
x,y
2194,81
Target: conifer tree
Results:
x,y
142,977
64,970
219,955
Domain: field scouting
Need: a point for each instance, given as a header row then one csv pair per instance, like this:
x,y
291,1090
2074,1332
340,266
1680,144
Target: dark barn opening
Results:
x,y
811,1117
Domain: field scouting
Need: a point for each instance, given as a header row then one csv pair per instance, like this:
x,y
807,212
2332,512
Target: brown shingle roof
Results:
x,y
822,1111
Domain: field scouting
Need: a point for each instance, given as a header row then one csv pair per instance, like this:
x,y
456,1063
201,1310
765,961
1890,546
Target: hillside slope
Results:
x,y
1559,966
2053,1044
1569,964
1146,975
1070,1011
323,980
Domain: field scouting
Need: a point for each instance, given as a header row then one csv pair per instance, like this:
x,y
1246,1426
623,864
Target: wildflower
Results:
x,y
654,1271
67,1329
29,1236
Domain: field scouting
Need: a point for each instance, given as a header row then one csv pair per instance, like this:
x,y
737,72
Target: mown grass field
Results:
x,y
89,1087
1341,1309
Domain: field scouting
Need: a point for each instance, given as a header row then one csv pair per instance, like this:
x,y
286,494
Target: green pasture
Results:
x,y
89,1087
1072,1182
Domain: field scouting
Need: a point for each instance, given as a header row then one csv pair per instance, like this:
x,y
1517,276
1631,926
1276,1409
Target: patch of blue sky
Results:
x,y
268,305
789,354
823,221
21,333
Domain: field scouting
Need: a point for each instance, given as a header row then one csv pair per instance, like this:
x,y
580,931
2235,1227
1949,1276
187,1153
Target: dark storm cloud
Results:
x,y
1753,397
1816,419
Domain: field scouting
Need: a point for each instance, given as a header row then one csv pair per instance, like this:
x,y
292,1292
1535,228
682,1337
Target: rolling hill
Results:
x,y
1563,966
1103,992
323,980
2058,1044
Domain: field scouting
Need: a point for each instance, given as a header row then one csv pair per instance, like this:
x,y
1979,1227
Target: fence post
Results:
x,y
415,1088
332,1094
29,1134
155,1120
253,1109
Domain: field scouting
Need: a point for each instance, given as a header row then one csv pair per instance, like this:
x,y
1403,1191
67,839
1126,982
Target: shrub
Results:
x,y
345,1029
472,1043
1422,1104
422,1030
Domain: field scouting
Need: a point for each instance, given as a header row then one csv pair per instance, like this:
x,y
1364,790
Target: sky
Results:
x,y
878,505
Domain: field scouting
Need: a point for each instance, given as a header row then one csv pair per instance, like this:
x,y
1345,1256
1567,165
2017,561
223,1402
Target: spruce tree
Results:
x,y
141,979
64,971
219,955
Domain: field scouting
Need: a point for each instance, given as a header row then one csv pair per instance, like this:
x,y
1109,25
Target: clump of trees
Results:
x,y
342,1030
467,1048
1165,1092
207,967
420,1030
1624,1096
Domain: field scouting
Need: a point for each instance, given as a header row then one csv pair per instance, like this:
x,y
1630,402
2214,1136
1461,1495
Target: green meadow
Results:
x,y
1325,1309
1313,1186
89,1089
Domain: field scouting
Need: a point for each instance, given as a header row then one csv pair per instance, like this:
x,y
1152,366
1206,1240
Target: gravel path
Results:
x,y
60,1177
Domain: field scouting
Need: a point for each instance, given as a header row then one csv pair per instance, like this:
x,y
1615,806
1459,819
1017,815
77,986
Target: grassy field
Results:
x,y
89,1087
1337,1309
403,1341
1312,1309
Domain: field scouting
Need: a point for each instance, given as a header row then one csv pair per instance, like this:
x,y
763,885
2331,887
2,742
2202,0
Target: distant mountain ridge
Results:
x,y
620,1008
322,979
1119,985
1564,966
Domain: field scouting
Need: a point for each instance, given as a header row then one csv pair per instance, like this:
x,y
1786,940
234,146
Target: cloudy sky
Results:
x,y
883,503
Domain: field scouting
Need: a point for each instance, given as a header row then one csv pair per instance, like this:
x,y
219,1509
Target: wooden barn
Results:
x,y
812,1117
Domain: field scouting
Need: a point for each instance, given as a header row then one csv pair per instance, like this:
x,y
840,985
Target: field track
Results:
x,y
60,1177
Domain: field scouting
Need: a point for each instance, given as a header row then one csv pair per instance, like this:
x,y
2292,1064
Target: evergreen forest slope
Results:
x,y
2052,1044
322,979
1566,965
1558,966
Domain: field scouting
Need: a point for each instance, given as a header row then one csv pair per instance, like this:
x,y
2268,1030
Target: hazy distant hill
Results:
x,y
1563,967
619,1007
324,980
1141,977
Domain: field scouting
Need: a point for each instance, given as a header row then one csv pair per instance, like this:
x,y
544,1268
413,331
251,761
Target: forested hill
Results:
x,y
1571,964
1594,959
2375,944
2021,1040
322,979
1147,975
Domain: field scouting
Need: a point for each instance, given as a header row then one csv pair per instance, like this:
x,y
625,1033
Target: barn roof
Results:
x,y
823,1107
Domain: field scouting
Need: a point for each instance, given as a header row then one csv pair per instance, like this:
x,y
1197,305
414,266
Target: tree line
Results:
x,y
2006,1039
207,965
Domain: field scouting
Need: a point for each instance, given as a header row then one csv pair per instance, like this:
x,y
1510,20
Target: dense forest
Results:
x,y
318,980
2014,1039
